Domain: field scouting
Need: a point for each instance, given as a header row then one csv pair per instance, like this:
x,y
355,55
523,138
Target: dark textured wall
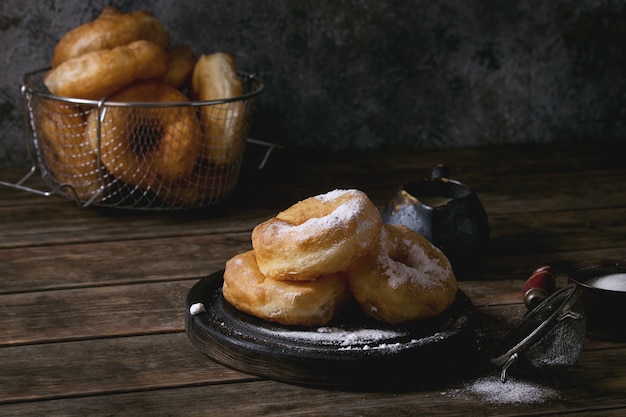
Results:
x,y
369,74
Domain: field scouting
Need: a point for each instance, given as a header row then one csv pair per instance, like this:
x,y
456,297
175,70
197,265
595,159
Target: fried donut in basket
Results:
x,y
215,78
181,61
109,30
61,128
205,185
147,146
99,74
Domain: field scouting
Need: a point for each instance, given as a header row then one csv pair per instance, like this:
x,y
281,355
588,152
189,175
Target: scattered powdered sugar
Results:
x,y
348,339
491,389
365,339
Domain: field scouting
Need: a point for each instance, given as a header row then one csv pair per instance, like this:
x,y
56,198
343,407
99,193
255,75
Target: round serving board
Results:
x,y
352,350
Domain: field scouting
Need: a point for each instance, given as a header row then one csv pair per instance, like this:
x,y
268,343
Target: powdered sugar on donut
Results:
x,y
335,194
319,235
341,217
418,268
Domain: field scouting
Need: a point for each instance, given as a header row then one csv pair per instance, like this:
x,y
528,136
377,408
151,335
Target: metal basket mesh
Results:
x,y
138,155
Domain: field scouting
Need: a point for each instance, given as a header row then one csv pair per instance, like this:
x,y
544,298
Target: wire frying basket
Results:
x,y
135,155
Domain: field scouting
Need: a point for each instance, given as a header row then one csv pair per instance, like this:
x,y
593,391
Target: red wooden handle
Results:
x,y
541,284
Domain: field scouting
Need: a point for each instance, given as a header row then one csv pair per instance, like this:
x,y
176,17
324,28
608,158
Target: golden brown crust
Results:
x,y
96,75
406,279
317,236
303,303
206,184
109,30
214,78
61,128
148,147
181,62
150,29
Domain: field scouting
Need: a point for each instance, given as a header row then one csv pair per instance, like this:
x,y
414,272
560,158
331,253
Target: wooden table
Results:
x,y
92,301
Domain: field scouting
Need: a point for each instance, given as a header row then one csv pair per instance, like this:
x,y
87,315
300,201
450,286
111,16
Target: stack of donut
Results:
x,y
178,153
312,258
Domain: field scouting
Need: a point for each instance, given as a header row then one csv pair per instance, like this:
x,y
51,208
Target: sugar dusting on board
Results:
x,y
492,390
337,336
365,339
344,339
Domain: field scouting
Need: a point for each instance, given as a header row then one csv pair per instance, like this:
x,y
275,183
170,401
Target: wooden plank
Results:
x,y
520,239
148,361
548,232
106,311
474,165
574,393
111,263
576,182
137,292
88,227
62,223
109,365
53,316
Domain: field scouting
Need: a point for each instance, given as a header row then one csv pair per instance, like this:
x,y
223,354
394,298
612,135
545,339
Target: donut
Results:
x,y
150,29
147,146
317,236
301,303
206,184
60,128
406,279
181,61
109,30
96,75
215,78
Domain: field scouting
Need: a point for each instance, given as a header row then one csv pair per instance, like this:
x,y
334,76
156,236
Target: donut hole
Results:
x,y
144,138
397,256
400,257
397,268
406,279
333,207
299,214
